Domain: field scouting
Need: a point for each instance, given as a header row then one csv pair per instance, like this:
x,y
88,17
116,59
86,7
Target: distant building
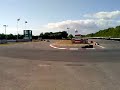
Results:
x,y
79,40
78,36
28,35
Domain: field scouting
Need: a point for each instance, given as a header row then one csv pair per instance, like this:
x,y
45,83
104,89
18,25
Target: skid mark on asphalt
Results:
x,y
74,65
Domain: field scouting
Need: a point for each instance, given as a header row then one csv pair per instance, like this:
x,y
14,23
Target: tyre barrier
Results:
x,y
88,46
3,41
96,43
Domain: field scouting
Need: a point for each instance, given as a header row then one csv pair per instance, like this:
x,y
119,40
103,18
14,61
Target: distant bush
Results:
x,y
110,32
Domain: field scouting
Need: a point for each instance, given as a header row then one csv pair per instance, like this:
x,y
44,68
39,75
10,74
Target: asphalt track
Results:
x,y
37,66
108,44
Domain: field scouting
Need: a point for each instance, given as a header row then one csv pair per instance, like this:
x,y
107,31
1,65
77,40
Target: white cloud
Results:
x,y
104,15
83,26
72,24
95,22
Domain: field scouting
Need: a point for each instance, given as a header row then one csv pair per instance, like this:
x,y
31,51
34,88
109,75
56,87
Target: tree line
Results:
x,y
10,36
55,35
47,35
110,32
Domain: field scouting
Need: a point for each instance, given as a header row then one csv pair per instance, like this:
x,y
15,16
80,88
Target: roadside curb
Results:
x,y
55,47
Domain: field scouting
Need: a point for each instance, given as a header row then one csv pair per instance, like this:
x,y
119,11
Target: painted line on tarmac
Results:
x,y
44,65
90,48
57,47
62,48
74,49
101,46
95,43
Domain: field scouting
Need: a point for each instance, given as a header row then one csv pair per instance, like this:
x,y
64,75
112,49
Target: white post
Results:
x,y
17,27
17,30
5,31
25,24
68,30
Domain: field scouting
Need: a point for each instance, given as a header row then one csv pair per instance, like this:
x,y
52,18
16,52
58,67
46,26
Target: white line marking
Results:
x,y
90,48
70,48
43,65
101,46
73,49
56,47
52,46
98,45
62,48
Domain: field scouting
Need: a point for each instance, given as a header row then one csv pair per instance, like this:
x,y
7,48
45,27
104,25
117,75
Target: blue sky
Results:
x,y
56,15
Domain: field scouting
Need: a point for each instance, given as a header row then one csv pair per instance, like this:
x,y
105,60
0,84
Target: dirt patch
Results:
x,y
67,43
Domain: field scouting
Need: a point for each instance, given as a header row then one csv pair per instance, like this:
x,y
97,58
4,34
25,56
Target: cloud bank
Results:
x,y
104,15
93,23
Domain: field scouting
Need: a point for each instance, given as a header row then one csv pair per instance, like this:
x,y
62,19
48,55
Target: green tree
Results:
x,y
41,34
110,32
64,34
70,36
2,36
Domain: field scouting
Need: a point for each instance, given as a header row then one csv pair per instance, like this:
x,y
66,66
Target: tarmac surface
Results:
x,y
37,66
108,44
